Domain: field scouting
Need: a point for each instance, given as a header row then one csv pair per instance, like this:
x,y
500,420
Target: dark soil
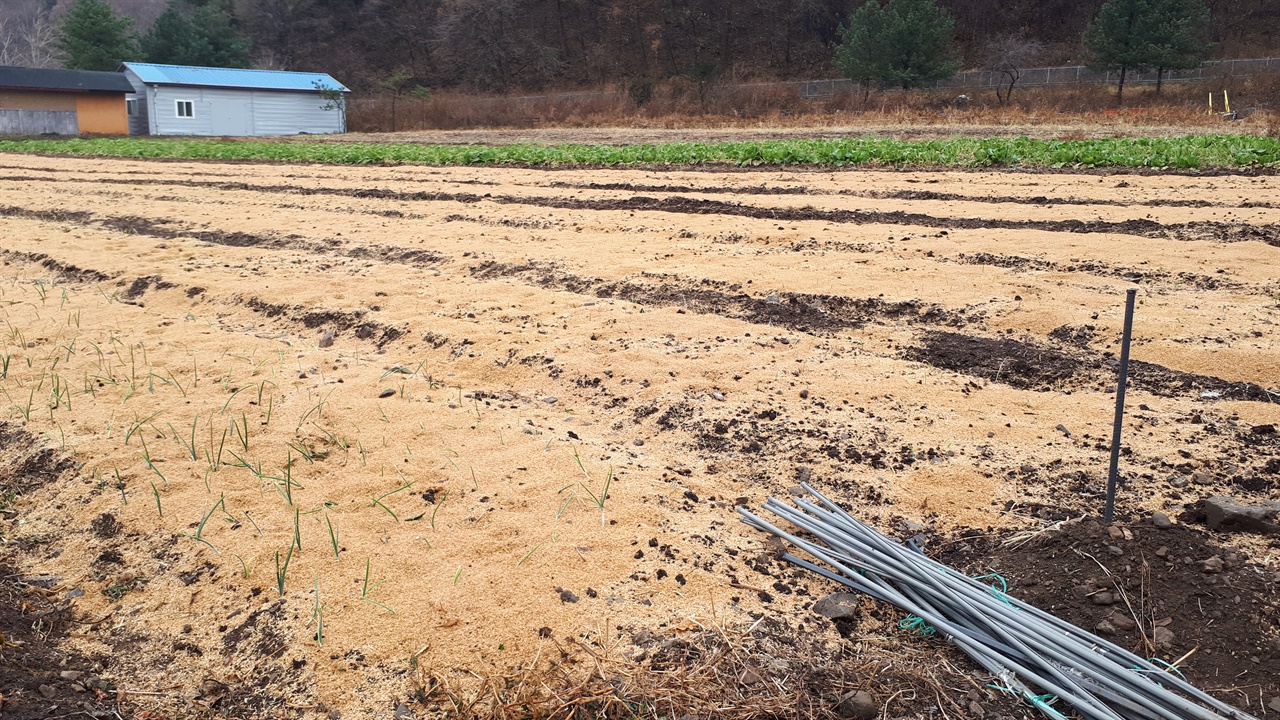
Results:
x,y
1130,274
141,285
339,320
1165,382
1152,579
1013,362
802,312
30,466
39,676
61,270
896,195
1031,366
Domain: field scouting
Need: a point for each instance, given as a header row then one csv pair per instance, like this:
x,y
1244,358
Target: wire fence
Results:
x,y
1061,75
532,106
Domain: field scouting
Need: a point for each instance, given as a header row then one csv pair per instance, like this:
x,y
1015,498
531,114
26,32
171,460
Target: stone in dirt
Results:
x,y
1213,565
1163,636
857,705
837,606
1228,515
386,393
1122,621
1161,521
1275,703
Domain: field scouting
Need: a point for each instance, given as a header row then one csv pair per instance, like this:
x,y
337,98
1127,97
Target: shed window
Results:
x,y
131,107
186,108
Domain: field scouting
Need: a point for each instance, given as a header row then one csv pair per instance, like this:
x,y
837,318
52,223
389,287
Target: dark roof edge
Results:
x,y
24,78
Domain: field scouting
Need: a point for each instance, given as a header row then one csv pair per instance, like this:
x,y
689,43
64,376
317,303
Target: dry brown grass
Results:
x,y
683,104
767,670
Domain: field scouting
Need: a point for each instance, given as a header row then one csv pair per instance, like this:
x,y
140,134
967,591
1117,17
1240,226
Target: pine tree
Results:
x,y
94,37
904,43
171,40
1177,43
225,46
1144,35
205,39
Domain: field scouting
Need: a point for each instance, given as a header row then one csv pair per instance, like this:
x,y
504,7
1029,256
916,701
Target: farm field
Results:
x,y
289,440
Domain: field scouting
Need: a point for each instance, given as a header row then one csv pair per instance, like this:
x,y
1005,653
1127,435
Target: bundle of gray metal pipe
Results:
x,y
1034,655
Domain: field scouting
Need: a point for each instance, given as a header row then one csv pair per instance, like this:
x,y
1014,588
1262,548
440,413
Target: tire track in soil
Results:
x,y
1202,230
801,312
1031,366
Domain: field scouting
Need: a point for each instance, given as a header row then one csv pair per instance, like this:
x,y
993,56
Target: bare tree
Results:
x,y
489,44
41,36
27,36
1008,55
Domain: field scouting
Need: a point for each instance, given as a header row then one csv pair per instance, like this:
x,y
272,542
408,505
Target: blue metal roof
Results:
x,y
231,77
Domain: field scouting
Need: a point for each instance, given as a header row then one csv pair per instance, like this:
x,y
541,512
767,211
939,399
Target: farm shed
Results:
x,y
34,101
185,100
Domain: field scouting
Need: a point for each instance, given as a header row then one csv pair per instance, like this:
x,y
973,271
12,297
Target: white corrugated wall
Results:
x,y
233,112
138,122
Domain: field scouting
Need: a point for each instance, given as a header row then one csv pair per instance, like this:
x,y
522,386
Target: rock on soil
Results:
x,y
858,705
1226,514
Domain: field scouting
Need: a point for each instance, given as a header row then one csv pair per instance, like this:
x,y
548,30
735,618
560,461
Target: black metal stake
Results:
x,y
1113,477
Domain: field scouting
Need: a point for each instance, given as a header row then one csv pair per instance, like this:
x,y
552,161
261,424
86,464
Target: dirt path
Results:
x,y
323,377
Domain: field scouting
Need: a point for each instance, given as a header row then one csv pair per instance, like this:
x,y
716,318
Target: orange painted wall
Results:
x,y
102,113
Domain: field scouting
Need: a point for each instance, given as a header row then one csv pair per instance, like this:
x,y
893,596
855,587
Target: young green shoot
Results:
x,y
377,502
367,588
124,499
318,613
146,457
138,424
436,509
282,570
333,538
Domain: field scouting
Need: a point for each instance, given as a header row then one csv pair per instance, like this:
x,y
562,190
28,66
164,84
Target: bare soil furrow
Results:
x,y
312,318
801,312
1192,231
909,195
1102,269
1033,366
166,229
61,270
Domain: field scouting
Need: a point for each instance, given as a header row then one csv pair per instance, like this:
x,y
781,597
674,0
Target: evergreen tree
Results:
x,y
1144,35
94,37
904,43
206,39
171,40
1177,43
